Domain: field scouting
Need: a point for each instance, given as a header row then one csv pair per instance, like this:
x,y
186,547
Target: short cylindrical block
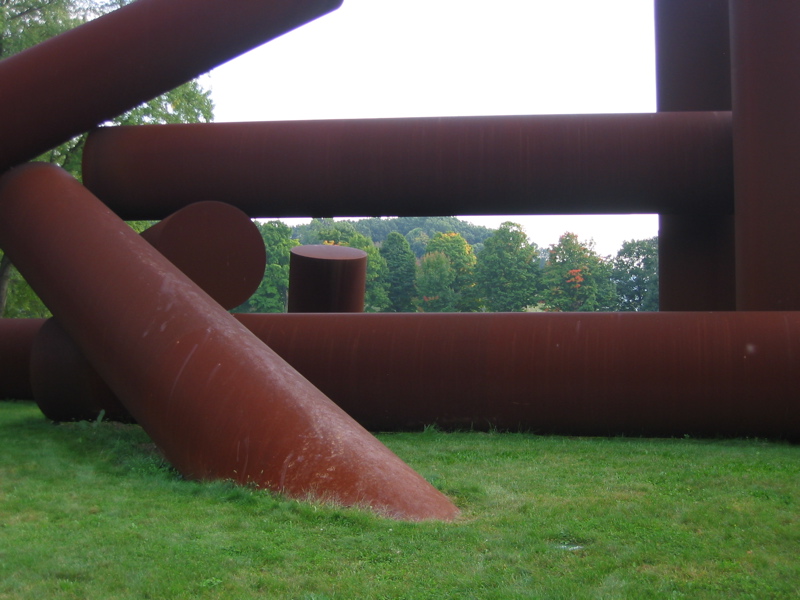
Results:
x,y
326,278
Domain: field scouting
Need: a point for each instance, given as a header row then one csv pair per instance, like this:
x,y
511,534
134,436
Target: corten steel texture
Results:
x,y
653,374
16,340
693,73
766,125
693,64
696,268
90,74
64,384
327,279
216,245
679,163
216,400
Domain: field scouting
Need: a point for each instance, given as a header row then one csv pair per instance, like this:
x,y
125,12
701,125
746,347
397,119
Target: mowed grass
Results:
x,y
90,511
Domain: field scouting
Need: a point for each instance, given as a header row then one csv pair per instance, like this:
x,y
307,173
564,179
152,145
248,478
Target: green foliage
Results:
x,y
270,297
400,272
635,275
507,270
92,511
462,261
17,299
435,277
418,241
423,228
575,278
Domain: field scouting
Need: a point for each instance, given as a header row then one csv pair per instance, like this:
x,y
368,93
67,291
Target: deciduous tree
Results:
x,y
575,278
401,270
507,270
635,275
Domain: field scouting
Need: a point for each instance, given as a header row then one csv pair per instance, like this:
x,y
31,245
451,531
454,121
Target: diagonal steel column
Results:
x,y
217,401
78,80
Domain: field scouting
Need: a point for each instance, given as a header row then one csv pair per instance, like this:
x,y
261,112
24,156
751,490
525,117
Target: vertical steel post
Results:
x,y
696,252
766,126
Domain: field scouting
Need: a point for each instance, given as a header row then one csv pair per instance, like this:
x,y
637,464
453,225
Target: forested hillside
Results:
x,y
443,264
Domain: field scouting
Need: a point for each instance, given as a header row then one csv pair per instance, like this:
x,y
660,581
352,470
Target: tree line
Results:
x,y
429,265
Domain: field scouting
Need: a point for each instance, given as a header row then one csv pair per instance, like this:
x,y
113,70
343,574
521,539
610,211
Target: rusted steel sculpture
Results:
x,y
65,385
570,373
216,400
679,163
327,279
214,244
221,403
693,73
80,79
16,341
766,99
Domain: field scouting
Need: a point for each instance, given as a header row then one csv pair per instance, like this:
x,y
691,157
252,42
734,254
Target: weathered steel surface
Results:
x,y
696,267
653,374
693,64
693,73
216,245
65,386
327,279
73,82
766,99
16,340
216,400
679,163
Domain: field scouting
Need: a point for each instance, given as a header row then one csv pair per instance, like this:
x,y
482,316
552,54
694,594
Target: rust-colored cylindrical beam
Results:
x,y
679,163
216,400
696,267
326,278
90,74
65,386
658,374
16,341
216,245
693,65
693,73
766,96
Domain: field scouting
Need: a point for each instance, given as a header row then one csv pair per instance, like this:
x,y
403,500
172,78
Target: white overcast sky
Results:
x,y
412,58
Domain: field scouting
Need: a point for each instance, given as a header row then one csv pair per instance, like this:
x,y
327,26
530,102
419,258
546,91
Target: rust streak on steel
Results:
x,y
217,401
214,244
16,341
326,278
726,373
679,163
73,82
765,41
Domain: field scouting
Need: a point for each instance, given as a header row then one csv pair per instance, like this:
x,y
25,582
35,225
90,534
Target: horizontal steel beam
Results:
x,y
638,163
657,374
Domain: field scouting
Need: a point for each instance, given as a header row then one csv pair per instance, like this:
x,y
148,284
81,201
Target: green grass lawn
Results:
x,y
90,511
